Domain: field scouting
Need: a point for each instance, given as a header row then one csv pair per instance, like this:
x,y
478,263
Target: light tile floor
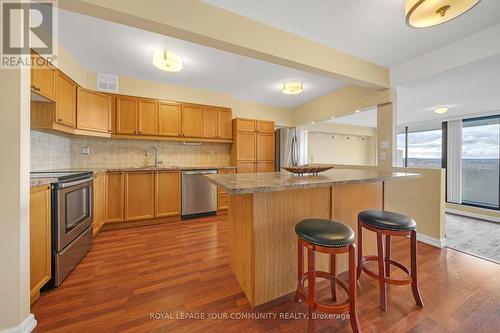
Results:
x,y
477,237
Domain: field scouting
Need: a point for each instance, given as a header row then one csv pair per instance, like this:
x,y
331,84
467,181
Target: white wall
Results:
x,y
341,149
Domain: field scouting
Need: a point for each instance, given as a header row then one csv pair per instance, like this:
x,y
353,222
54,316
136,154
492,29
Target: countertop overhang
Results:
x,y
282,181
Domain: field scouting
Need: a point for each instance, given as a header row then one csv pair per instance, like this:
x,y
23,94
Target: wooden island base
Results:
x,y
262,239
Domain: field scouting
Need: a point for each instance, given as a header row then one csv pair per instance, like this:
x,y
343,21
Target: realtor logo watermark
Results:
x,y
28,26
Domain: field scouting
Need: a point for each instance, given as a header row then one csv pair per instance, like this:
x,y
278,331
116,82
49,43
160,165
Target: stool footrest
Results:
x,y
366,259
333,307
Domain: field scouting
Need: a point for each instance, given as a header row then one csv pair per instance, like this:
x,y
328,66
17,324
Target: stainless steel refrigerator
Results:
x,y
291,147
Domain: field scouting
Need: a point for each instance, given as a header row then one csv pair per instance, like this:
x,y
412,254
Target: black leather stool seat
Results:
x,y
387,220
325,232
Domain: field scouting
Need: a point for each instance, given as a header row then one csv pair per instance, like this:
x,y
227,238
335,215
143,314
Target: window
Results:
x,y
480,162
401,148
423,148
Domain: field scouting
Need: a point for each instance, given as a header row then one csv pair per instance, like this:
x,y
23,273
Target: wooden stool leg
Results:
x,y
333,271
381,273
300,268
352,289
311,281
360,249
387,255
414,279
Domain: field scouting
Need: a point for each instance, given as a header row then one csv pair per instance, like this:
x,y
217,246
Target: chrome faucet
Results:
x,y
156,155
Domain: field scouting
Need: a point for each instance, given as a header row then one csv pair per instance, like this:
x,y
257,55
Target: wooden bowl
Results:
x,y
305,169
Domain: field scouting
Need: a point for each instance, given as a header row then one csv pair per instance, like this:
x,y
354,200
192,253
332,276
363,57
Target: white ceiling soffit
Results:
x,y
108,47
366,118
469,90
373,30
479,46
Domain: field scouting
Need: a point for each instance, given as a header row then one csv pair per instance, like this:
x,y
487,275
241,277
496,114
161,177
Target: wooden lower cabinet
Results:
x,y
139,195
222,196
40,233
115,197
246,167
265,167
167,193
99,209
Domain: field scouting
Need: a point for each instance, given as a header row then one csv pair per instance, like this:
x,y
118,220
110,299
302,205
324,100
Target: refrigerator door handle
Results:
x,y
294,149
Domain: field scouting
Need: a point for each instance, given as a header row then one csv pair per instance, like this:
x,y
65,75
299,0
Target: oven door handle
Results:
x,y
77,182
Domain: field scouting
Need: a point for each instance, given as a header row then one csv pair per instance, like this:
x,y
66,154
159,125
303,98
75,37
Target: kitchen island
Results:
x,y
263,211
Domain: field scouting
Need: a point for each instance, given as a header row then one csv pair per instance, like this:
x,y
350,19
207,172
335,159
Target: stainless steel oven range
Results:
x,y
72,217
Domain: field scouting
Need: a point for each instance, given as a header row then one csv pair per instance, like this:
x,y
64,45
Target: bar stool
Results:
x,y
388,224
326,236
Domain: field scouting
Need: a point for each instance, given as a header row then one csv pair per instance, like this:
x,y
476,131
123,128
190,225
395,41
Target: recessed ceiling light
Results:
x,y
312,122
441,110
167,61
293,88
332,117
428,13
357,111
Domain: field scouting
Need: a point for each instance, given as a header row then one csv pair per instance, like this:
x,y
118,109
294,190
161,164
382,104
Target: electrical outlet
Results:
x,y
85,150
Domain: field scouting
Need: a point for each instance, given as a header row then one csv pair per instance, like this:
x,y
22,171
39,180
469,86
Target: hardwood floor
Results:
x,y
183,268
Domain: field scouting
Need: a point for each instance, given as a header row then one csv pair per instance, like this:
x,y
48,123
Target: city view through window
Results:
x,y
480,184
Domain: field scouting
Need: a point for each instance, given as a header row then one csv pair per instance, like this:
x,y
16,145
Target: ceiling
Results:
x,y
366,118
467,91
374,30
112,48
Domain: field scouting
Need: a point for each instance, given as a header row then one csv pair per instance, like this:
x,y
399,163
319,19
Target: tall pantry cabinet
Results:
x,y
253,147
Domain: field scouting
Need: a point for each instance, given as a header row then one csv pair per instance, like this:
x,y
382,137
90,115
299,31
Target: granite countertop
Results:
x,y
40,181
35,182
282,181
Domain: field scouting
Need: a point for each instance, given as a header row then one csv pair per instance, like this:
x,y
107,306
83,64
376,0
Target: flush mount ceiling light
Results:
x,y
167,61
441,110
428,13
293,88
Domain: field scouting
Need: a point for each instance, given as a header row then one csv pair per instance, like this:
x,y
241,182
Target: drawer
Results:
x,y
223,201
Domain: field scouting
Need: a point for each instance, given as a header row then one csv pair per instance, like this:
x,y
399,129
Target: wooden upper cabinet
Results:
x,y
126,114
210,121
43,78
148,117
265,146
114,196
192,121
225,128
248,125
139,195
247,150
265,126
65,100
169,118
168,193
93,110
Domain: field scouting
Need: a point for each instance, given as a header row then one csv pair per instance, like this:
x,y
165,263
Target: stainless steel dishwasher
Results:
x,y
199,196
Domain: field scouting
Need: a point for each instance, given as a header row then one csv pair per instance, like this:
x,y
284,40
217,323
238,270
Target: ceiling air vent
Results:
x,y
107,82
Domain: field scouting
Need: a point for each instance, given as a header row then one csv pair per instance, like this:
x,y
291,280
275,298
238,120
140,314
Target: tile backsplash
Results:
x,y
49,151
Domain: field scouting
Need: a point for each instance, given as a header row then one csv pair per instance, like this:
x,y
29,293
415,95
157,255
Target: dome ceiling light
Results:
x,y
167,61
428,13
293,88
441,110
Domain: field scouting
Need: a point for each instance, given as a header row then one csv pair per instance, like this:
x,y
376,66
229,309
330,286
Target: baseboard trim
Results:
x,y
26,326
474,215
439,243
